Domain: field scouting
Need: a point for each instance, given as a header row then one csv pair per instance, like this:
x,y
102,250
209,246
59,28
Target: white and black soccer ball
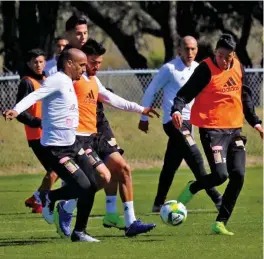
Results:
x,y
173,213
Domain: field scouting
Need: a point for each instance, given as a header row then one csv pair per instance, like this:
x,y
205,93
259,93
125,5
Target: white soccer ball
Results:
x,y
173,213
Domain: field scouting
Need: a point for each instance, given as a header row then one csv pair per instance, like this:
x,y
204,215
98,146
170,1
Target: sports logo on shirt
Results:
x,y
89,98
230,85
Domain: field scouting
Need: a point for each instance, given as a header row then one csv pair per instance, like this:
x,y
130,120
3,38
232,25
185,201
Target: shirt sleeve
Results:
x,y
25,88
117,101
48,87
196,83
248,104
158,82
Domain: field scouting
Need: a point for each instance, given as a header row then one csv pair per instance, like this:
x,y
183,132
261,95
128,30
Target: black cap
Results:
x,y
226,41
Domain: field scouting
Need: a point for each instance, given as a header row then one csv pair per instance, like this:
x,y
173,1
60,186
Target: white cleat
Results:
x,y
82,237
47,210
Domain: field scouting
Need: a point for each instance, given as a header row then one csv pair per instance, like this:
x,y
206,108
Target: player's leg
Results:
x,y
98,177
34,201
77,185
172,160
215,143
194,159
105,144
236,161
121,171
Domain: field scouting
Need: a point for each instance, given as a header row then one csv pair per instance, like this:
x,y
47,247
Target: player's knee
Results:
x,y
125,170
238,175
221,177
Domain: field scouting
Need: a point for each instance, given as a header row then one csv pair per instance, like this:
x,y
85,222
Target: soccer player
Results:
x,y
222,100
181,145
77,31
59,123
51,64
88,91
32,79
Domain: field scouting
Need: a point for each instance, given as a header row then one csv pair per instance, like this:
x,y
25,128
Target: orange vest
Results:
x,y
34,110
86,90
219,104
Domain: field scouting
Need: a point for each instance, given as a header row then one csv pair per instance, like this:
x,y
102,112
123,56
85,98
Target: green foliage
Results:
x,y
155,59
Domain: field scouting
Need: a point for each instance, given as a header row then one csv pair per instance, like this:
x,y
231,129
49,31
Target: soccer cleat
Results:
x,y
47,209
82,237
138,227
62,220
112,220
156,209
186,194
218,203
219,228
32,203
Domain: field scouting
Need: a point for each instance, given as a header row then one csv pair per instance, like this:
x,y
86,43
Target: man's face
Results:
x,y
78,37
224,58
94,63
188,51
60,46
37,64
78,67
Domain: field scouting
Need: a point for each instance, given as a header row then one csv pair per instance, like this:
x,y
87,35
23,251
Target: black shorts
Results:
x,y
41,153
102,145
103,127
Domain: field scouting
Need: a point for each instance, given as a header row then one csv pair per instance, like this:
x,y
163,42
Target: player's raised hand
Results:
x,y
177,120
10,114
143,126
260,130
148,111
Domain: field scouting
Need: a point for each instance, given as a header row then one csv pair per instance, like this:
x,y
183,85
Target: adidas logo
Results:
x,y
230,85
182,78
230,82
126,208
90,98
90,95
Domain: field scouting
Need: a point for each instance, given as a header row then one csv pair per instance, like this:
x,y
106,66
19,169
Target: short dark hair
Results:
x,y
226,41
92,47
60,59
73,21
65,55
60,38
34,53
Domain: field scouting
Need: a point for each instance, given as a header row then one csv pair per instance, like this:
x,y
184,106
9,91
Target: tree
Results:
x,y
34,27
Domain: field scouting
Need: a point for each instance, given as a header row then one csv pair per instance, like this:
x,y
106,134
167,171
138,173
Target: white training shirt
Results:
x,y
51,67
171,77
113,100
60,116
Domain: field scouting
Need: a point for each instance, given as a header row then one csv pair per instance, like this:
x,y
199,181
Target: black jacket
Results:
x,y
25,88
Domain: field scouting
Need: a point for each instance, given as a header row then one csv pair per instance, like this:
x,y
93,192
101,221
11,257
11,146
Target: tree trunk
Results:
x,y
28,26
124,42
48,12
11,48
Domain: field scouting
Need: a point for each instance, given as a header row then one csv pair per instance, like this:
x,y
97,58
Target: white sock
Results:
x,y
110,203
36,195
70,205
129,213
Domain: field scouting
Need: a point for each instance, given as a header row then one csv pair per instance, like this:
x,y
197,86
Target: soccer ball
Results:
x,y
173,213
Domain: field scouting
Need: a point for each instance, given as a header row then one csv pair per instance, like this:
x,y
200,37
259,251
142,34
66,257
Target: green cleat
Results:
x,y
219,228
112,220
186,194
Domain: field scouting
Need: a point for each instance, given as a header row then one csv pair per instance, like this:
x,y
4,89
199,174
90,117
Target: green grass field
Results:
x,y
25,235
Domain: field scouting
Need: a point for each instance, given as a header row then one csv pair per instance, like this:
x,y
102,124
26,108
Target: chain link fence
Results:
x,y
130,84
141,150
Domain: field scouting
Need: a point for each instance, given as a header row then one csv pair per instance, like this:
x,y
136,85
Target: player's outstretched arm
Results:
x,y
10,114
